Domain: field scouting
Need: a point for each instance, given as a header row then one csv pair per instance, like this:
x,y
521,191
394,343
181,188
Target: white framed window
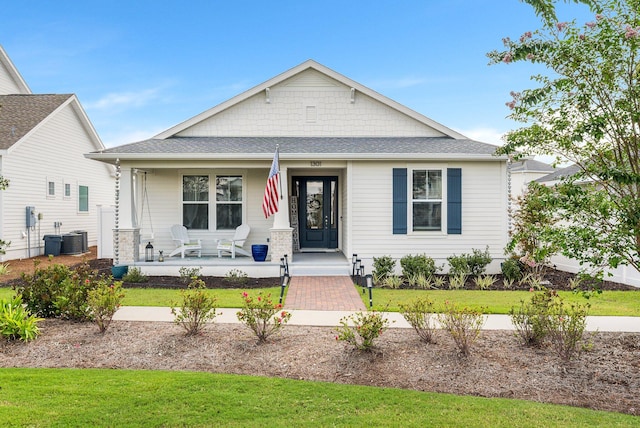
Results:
x,y
195,201
427,200
67,190
229,201
51,188
83,199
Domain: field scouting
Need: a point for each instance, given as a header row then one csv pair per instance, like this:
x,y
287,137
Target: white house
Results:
x,y
53,188
525,171
360,174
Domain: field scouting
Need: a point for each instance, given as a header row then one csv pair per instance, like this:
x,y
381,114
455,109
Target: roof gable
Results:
x,y
11,82
308,75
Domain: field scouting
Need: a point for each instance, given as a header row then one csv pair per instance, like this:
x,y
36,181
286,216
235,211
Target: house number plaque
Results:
x,y
316,163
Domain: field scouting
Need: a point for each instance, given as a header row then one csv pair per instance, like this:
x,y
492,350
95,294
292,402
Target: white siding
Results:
x,y
54,152
483,202
7,84
287,114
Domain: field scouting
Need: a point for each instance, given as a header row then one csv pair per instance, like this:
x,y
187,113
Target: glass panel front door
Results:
x,y
318,211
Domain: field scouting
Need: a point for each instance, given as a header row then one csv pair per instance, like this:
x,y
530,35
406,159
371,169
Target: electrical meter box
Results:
x,y
31,216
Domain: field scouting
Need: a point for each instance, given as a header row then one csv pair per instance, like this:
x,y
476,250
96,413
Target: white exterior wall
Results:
x,y
54,152
310,105
483,202
623,274
7,84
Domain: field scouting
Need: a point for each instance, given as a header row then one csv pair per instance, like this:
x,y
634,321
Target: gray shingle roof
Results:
x,y
19,114
531,165
303,145
559,174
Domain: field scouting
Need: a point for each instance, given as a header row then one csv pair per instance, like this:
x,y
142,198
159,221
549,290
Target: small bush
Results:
x,y
104,300
261,316
189,273
16,322
421,281
463,324
418,265
483,282
134,275
361,329
531,318
566,325
196,308
469,264
511,270
419,314
4,269
439,281
456,282
58,291
237,276
392,281
383,267
458,265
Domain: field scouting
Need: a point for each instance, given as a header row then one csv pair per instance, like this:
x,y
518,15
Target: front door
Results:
x,y
318,212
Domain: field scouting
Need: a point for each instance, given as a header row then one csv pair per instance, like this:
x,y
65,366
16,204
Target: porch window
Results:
x,y
228,201
427,200
195,201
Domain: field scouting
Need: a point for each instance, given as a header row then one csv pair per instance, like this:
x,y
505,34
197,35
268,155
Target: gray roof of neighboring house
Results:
x,y
19,114
531,165
560,173
351,146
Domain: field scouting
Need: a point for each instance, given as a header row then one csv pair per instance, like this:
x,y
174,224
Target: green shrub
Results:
x,y
421,281
419,314
361,329
383,267
196,308
419,264
483,282
469,264
566,327
261,316
511,270
189,273
16,322
463,324
531,319
456,282
392,281
135,275
237,276
4,269
104,300
58,291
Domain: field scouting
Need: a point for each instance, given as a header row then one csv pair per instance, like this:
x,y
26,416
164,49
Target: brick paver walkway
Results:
x,y
323,293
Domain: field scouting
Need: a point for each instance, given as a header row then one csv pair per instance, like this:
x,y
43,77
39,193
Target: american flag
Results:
x,y
271,195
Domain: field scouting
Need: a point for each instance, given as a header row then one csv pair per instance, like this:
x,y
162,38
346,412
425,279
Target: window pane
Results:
x,y
229,188
195,216
83,198
419,184
427,215
195,188
67,189
228,216
435,185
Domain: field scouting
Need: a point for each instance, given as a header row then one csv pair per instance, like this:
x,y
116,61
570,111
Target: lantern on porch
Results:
x,y
148,253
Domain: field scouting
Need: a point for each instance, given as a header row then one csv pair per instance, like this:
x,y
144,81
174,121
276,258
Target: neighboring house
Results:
x,y
360,173
525,171
43,139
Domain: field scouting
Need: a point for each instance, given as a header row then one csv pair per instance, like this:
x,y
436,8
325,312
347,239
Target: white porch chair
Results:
x,y
235,244
183,242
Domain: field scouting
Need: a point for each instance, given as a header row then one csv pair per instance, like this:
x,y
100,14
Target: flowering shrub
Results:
x,y
196,308
566,328
361,329
463,324
419,314
103,301
58,291
262,316
16,322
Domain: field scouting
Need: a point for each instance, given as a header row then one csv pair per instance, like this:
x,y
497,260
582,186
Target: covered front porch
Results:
x,y
333,263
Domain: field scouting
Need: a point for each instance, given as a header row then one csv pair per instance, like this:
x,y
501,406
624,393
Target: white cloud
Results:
x,y
484,135
124,99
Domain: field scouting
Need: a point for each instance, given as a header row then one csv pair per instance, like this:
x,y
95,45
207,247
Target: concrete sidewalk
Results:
x,y
332,319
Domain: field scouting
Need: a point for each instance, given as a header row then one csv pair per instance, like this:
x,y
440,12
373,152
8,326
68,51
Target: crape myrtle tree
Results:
x,y
585,110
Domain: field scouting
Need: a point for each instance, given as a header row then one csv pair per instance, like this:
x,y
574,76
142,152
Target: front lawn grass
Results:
x,y
128,398
226,297
612,303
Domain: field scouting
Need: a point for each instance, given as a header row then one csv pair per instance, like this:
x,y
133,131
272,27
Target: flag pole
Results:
x,y
279,176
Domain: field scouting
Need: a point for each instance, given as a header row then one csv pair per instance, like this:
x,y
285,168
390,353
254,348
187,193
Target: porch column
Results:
x,y
126,236
281,232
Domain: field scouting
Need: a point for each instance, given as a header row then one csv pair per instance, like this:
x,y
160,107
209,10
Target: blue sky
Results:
x,y
140,67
